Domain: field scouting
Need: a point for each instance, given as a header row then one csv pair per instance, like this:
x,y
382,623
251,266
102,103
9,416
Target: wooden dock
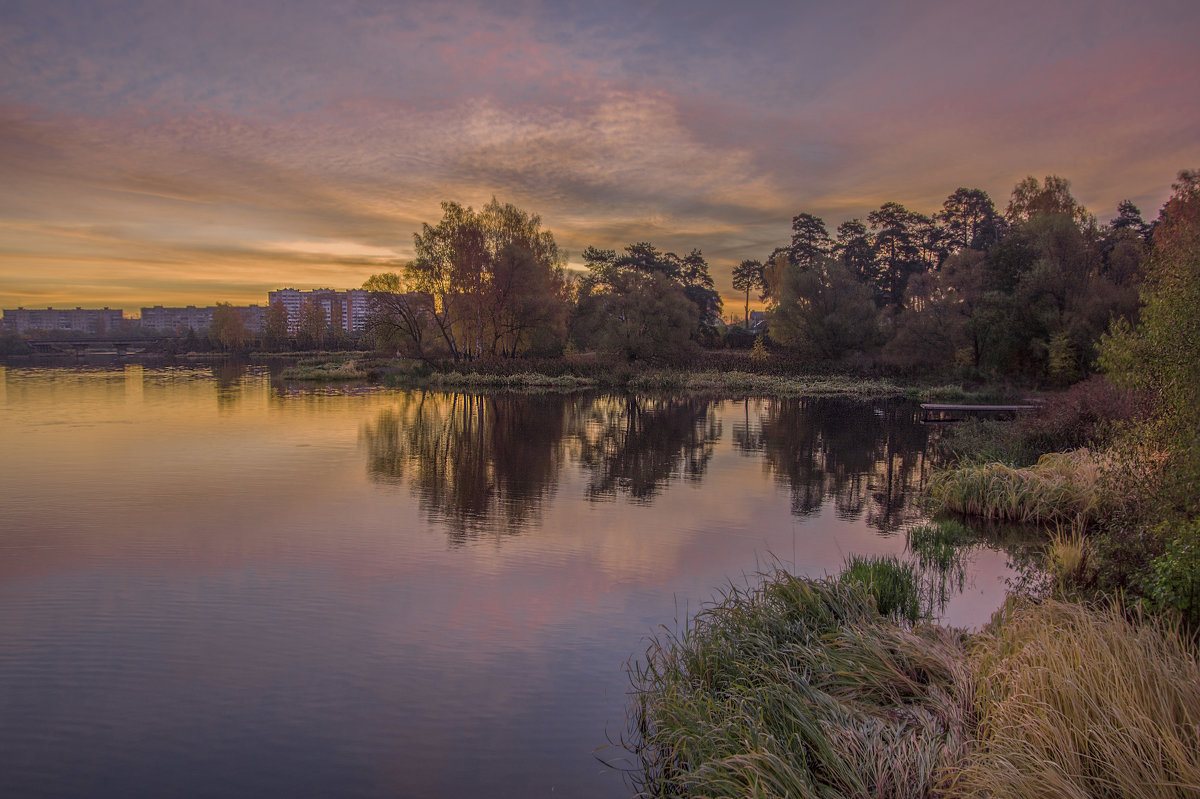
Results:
x,y
942,412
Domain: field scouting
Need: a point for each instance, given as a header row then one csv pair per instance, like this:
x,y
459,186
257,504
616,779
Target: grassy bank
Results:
x,y
795,687
663,380
1061,488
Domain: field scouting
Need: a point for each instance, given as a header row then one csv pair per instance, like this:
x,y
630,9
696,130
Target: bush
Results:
x,y
1174,584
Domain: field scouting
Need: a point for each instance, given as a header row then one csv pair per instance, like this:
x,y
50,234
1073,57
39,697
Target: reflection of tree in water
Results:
x,y
863,456
229,373
636,445
477,463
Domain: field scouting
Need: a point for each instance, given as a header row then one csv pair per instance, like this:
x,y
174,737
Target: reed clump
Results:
x,y
1061,488
798,687
1076,702
894,584
327,371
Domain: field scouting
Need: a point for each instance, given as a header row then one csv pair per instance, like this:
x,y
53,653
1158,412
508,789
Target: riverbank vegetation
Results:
x,y
803,688
797,687
1089,688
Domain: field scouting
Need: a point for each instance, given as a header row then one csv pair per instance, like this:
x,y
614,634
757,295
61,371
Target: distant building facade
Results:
x,y
198,319
348,309
77,320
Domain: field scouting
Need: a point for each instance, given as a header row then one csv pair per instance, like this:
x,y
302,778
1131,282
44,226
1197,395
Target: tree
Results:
x,y
275,326
1053,196
748,275
397,317
970,219
311,327
855,249
699,288
821,311
227,329
478,270
1161,354
636,305
810,240
897,249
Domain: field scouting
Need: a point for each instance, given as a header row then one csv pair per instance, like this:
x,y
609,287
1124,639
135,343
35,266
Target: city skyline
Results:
x,y
190,155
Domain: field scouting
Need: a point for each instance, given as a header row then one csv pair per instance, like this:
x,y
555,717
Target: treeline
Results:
x,y
492,284
1026,292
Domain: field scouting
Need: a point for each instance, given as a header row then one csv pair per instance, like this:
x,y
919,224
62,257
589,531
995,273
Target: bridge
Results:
x,y
938,412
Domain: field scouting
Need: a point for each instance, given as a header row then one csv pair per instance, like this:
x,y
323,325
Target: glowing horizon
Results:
x,y
163,156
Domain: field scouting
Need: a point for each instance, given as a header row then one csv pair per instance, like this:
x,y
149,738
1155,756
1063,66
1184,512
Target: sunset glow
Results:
x,y
187,154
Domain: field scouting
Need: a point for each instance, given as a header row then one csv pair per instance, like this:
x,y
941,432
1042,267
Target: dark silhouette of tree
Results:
x,y
643,304
897,249
856,251
822,311
1050,197
747,276
970,220
312,327
810,241
490,280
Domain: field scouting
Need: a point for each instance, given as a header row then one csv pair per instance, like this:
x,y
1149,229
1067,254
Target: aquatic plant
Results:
x,y
796,687
326,370
1067,556
894,585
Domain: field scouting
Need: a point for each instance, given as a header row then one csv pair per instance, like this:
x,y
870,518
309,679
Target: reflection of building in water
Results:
x,y
76,320
344,309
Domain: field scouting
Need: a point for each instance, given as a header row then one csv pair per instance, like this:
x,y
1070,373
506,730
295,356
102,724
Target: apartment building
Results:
x,y
348,308
77,320
197,318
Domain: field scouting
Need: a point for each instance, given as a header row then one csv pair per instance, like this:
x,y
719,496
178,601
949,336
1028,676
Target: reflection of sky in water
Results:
x,y
216,586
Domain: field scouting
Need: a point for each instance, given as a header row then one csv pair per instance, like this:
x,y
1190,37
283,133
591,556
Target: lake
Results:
x,y
213,583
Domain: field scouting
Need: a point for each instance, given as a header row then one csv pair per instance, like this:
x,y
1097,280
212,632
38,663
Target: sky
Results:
x,y
202,150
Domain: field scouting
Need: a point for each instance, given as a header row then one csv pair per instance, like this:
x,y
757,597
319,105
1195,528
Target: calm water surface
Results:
x,y
214,585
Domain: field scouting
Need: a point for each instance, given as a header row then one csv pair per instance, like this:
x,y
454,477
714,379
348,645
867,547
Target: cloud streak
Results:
x,y
162,155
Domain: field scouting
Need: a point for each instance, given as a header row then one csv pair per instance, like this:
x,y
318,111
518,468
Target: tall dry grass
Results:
x,y
1060,488
1073,702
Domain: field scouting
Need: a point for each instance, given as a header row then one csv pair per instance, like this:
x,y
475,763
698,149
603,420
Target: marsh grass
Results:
x,y
731,383
941,549
894,584
1059,488
1067,556
513,382
1074,702
325,370
797,687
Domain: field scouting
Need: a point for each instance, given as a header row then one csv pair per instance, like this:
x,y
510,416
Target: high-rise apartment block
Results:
x,y
346,309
